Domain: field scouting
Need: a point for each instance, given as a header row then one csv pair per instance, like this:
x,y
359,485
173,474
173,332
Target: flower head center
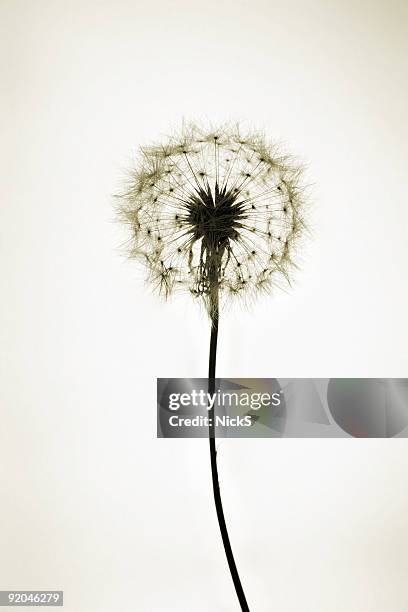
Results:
x,y
214,217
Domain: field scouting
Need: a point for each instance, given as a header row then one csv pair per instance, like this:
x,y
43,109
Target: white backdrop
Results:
x,y
91,501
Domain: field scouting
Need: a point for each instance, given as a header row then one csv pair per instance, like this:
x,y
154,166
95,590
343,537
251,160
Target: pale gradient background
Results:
x,y
90,501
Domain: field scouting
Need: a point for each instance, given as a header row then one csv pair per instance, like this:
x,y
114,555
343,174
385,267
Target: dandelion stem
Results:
x,y
213,454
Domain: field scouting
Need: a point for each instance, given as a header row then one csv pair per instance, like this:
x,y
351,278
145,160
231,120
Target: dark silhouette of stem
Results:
x,y
213,454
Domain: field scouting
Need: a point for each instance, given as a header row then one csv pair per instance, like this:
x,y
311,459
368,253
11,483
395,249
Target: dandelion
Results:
x,y
218,213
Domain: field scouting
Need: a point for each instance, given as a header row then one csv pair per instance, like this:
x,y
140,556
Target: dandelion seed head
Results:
x,y
214,211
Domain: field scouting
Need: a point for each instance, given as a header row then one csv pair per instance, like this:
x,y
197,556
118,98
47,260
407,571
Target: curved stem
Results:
x,y
214,469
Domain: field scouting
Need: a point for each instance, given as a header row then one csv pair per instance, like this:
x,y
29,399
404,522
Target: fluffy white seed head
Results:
x,y
214,212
